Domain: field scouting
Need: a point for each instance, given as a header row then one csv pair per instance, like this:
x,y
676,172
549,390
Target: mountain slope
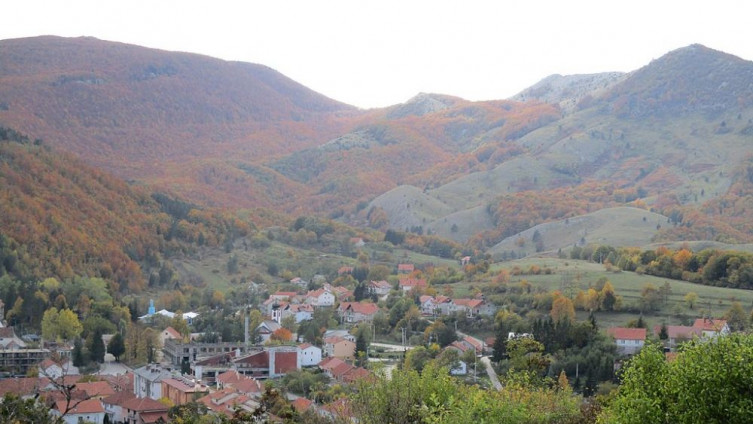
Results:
x,y
675,135
62,218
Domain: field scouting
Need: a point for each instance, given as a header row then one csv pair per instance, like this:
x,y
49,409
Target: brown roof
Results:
x,y
89,406
301,404
118,398
144,405
330,363
341,369
471,303
153,417
365,308
96,388
622,333
413,282
355,374
26,386
173,333
706,324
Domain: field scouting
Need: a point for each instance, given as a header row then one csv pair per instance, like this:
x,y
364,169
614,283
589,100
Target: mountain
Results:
x,y
162,117
672,137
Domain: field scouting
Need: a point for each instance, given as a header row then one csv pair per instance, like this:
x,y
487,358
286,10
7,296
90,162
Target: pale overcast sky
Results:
x,y
379,53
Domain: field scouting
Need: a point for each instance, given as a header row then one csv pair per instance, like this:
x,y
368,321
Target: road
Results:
x,y
392,347
492,375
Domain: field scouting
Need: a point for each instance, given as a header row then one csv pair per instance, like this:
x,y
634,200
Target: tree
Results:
x,y
70,326
563,309
607,297
362,347
736,317
691,298
663,334
14,409
708,382
281,335
116,346
650,298
78,356
96,346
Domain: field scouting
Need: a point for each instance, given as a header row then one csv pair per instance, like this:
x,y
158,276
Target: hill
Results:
x,y
62,218
161,117
637,143
671,137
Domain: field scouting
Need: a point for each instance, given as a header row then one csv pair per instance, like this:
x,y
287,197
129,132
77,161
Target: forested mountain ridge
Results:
x,y
672,137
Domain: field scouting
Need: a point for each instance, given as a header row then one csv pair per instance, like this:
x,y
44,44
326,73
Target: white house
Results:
x,y
309,354
628,340
301,312
320,298
88,411
266,328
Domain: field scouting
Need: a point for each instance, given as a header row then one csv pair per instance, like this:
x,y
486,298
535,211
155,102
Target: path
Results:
x,y
492,375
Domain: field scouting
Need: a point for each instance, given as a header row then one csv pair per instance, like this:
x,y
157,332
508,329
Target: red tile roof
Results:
x,y
413,282
118,398
364,308
173,333
471,303
622,333
706,324
96,388
144,405
406,267
89,406
301,404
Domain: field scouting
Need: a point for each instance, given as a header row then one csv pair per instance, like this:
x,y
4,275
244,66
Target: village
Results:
x,y
226,376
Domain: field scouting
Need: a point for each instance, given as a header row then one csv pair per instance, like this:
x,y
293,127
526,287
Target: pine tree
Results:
x,y
96,346
78,353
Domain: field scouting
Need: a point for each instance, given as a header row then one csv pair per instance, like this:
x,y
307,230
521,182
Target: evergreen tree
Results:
x,y
116,346
78,353
361,346
663,335
96,346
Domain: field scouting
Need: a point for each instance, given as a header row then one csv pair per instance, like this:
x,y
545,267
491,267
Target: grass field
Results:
x,y
583,275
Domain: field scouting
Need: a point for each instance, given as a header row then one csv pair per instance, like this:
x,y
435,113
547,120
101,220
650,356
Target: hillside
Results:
x,y
672,137
62,218
684,162
160,117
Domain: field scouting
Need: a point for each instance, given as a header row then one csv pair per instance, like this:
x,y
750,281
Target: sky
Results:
x,y
380,53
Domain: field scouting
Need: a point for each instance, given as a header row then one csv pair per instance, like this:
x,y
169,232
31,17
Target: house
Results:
x,y
339,347
629,340
444,305
169,333
310,355
357,242
474,307
283,295
332,366
345,270
301,404
677,334
113,405
226,401
379,288
320,298
269,363
301,312
56,368
355,312
266,328
711,328
96,389
181,390
144,411
405,268
189,317
465,260
300,282
89,411
409,284
232,379
147,381
9,340
427,304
